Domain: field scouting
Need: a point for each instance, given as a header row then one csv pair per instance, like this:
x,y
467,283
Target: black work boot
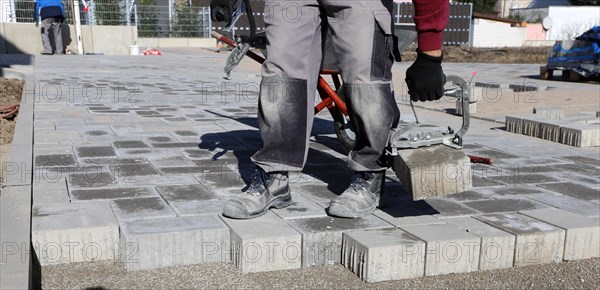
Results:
x,y
361,198
267,190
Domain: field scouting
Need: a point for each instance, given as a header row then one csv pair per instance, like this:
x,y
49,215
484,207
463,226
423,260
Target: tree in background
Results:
x,y
108,12
585,2
186,22
489,7
147,18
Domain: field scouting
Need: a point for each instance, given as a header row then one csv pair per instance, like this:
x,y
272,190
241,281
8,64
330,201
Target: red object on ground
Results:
x,y
481,160
152,51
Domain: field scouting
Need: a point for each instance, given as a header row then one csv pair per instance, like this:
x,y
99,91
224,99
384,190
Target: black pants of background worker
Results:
x,y
52,25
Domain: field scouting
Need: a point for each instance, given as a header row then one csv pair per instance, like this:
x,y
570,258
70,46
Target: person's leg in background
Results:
x,y
364,48
57,31
46,27
286,104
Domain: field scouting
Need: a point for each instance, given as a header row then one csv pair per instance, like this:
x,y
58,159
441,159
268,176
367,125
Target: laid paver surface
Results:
x,y
166,140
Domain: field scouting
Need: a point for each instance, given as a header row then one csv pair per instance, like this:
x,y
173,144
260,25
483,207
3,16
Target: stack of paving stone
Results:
x,y
476,95
550,124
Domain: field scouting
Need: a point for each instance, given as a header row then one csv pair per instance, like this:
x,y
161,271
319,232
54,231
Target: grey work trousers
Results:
x,y
52,24
362,37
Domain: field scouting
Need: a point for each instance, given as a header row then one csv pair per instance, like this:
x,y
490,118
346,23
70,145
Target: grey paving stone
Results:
x,y
198,207
433,171
111,161
186,133
130,171
156,180
181,170
301,207
517,190
468,196
582,239
442,207
74,232
322,236
574,190
536,242
90,179
583,160
525,179
579,168
484,182
111,193
266,243
130,144
175,145
571,204
383,255
161,139
184,193
141,208
166,242
47,191
406,215
55,160
448,249
580,135
170,161
223,185
504,205
95,151
497,246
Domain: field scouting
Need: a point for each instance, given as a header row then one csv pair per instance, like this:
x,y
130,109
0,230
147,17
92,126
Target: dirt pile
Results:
x,y
488,55
10,94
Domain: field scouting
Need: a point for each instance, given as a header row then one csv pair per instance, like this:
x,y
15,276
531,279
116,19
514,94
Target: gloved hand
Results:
x,y
221,10
425,78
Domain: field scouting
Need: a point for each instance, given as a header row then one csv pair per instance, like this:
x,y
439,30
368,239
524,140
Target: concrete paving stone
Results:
x,y
583,160
130,144
442,207
531,125
571,204
383,255
266,243
127,173
141,208
525,179
186,133
582,234
199,154
167,242
100,161
459,108
574,190
504,205
580,135
514,124
470,195
550,130
517,190
75,232
579,169
47,191
496,154
318,192
156,180
301,207
536,242
184,193
95,151
405,215
110,193
90,178
448,249
176,145
433,171
170,161
54,160
181,170
479,182
158,139
223,185
497,246
43,136
136,153
554,113
322,236
198,207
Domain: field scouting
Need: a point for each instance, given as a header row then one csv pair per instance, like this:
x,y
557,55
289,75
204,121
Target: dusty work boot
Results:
x,y
361,198
267,190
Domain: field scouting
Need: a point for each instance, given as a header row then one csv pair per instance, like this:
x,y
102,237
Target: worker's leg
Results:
x,y
364,47
285,108
46,27
57,30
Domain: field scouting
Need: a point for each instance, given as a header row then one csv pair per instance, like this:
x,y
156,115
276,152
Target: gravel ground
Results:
x,y
584,274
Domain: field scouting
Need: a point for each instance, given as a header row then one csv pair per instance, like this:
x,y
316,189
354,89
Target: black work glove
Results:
x,y
222,10
425,78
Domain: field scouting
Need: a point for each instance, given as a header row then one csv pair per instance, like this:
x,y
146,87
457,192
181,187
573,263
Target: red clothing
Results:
x,y
431,17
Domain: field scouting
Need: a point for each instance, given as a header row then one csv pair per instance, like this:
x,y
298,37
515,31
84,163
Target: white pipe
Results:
x,y
78,26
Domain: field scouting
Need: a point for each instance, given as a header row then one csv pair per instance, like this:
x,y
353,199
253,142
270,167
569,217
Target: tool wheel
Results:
x,y
343,127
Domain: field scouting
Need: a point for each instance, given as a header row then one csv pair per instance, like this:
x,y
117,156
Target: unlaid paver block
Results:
x,y
550,130
74,232
531,125
550,112
383,254
497,246
571,204
50,191
433,171
459,108
448,249
536,242
582,239
580,135
322,236
514,124
266,243
157,243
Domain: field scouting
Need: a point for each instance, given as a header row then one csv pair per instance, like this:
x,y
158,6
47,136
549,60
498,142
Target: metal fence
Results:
x,y
152,20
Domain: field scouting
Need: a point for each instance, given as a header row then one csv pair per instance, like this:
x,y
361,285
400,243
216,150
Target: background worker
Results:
x,y
51,12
